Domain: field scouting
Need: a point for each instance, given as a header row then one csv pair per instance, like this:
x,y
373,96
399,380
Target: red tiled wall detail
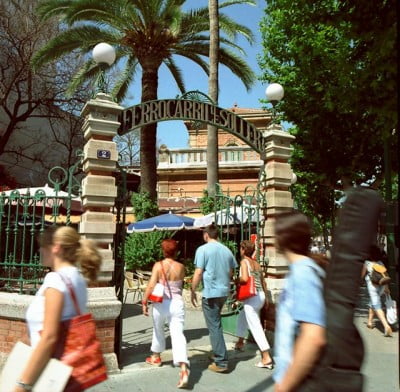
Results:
x,y
12,331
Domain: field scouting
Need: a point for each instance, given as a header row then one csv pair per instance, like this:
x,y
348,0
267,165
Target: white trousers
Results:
x,y
173,312
249,318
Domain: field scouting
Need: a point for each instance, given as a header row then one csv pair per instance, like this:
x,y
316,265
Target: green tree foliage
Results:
x,y
142,250
337,62
143,206
210,204
318,202
146,34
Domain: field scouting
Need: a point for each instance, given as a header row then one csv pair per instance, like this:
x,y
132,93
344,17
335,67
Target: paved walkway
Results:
x,y
381,367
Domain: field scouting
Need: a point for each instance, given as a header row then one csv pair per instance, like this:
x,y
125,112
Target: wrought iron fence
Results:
x,y
24,215
241,217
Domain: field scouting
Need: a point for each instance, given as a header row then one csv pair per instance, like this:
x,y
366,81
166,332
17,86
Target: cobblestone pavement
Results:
x,y
381,366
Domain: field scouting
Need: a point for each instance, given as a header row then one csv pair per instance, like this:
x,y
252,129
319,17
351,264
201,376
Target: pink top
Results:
x,y
172,289
176,289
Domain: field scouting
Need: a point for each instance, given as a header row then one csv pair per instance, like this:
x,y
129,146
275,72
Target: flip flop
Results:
x,y
269,365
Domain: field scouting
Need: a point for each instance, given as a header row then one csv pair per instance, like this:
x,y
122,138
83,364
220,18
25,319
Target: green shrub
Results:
x,y
143,249
143,206
231,245
210,204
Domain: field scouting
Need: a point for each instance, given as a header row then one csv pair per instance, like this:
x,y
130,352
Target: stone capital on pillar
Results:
x,y
101,117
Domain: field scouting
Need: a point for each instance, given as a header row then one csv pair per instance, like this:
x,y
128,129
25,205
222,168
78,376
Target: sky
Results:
x,y
173,133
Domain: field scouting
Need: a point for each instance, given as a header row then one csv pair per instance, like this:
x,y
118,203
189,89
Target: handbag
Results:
x,y
379,275
157,294
53,378
248,289
79,347
391,309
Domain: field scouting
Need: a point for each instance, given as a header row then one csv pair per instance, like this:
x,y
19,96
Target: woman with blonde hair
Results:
x,y
63,251
249,317
170,273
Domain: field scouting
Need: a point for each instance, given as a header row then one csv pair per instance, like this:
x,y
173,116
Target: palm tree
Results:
x,y
145,34
213,81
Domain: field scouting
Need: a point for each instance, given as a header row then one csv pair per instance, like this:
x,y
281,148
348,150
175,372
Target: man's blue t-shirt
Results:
x,y
301,301
216,261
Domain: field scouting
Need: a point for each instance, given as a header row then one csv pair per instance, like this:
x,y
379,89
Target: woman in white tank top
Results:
x,y
62,250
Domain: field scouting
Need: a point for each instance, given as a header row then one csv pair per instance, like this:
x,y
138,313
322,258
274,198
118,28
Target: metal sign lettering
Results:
x,y
182,109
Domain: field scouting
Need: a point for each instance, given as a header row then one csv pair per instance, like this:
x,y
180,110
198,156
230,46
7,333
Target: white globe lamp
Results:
x,y
274,93
104,53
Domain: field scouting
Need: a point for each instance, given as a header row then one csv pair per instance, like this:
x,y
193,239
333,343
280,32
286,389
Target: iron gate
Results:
x,y
241,217
23,217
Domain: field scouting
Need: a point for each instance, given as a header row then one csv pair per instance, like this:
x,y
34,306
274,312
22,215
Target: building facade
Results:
x,y
182,173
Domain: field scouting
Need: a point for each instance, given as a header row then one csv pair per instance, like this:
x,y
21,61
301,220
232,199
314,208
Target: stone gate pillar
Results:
x,y
97,222
279,199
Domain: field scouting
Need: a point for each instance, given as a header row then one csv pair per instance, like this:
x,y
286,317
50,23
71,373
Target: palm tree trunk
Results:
x,y
212,138
148,136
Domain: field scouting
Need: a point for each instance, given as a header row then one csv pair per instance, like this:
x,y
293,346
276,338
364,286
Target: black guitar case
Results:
x,y
338,369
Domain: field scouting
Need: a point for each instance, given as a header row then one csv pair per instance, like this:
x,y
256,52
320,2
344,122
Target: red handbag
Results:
x,y
248,289
79,347
157,294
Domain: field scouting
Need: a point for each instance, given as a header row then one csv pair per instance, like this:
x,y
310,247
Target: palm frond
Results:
x,y
233,2
50,8
108,12
83,38
238,66
176,73
122,84
232,29
89,71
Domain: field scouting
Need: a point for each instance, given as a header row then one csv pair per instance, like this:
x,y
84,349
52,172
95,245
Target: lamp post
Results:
x,y
274,93
103,55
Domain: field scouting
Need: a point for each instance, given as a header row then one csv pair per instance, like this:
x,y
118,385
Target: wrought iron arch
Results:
x,y
199,109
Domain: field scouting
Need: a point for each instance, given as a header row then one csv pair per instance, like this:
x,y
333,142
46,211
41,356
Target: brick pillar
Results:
x,y
279,199
98,196
98,187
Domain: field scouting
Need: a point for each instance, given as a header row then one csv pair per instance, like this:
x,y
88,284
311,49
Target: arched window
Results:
x,y
234,154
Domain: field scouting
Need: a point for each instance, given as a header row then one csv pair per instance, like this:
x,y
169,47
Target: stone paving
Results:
x,y
381,363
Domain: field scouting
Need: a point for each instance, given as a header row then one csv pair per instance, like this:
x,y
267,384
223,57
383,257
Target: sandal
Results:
x,y
261,364
388,333
153,360
239,347
183,379
370,326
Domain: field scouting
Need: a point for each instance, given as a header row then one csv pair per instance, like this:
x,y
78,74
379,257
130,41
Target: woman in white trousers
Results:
x,y
249,317
170,273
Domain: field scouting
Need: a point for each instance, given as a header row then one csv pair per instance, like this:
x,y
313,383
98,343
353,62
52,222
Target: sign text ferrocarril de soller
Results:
x,y
182,109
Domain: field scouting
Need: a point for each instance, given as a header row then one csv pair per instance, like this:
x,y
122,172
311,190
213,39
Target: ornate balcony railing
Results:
x,y
197,157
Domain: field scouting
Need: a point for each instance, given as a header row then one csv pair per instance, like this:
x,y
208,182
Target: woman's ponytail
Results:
x,y
88,258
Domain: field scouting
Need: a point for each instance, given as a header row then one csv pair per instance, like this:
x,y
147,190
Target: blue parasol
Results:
x,y
162,222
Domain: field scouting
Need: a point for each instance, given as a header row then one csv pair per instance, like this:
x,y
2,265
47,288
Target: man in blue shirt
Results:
x,y
214,267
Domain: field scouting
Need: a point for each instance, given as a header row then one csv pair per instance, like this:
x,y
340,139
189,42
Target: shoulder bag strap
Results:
x,y
71,292
165,278
248,266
